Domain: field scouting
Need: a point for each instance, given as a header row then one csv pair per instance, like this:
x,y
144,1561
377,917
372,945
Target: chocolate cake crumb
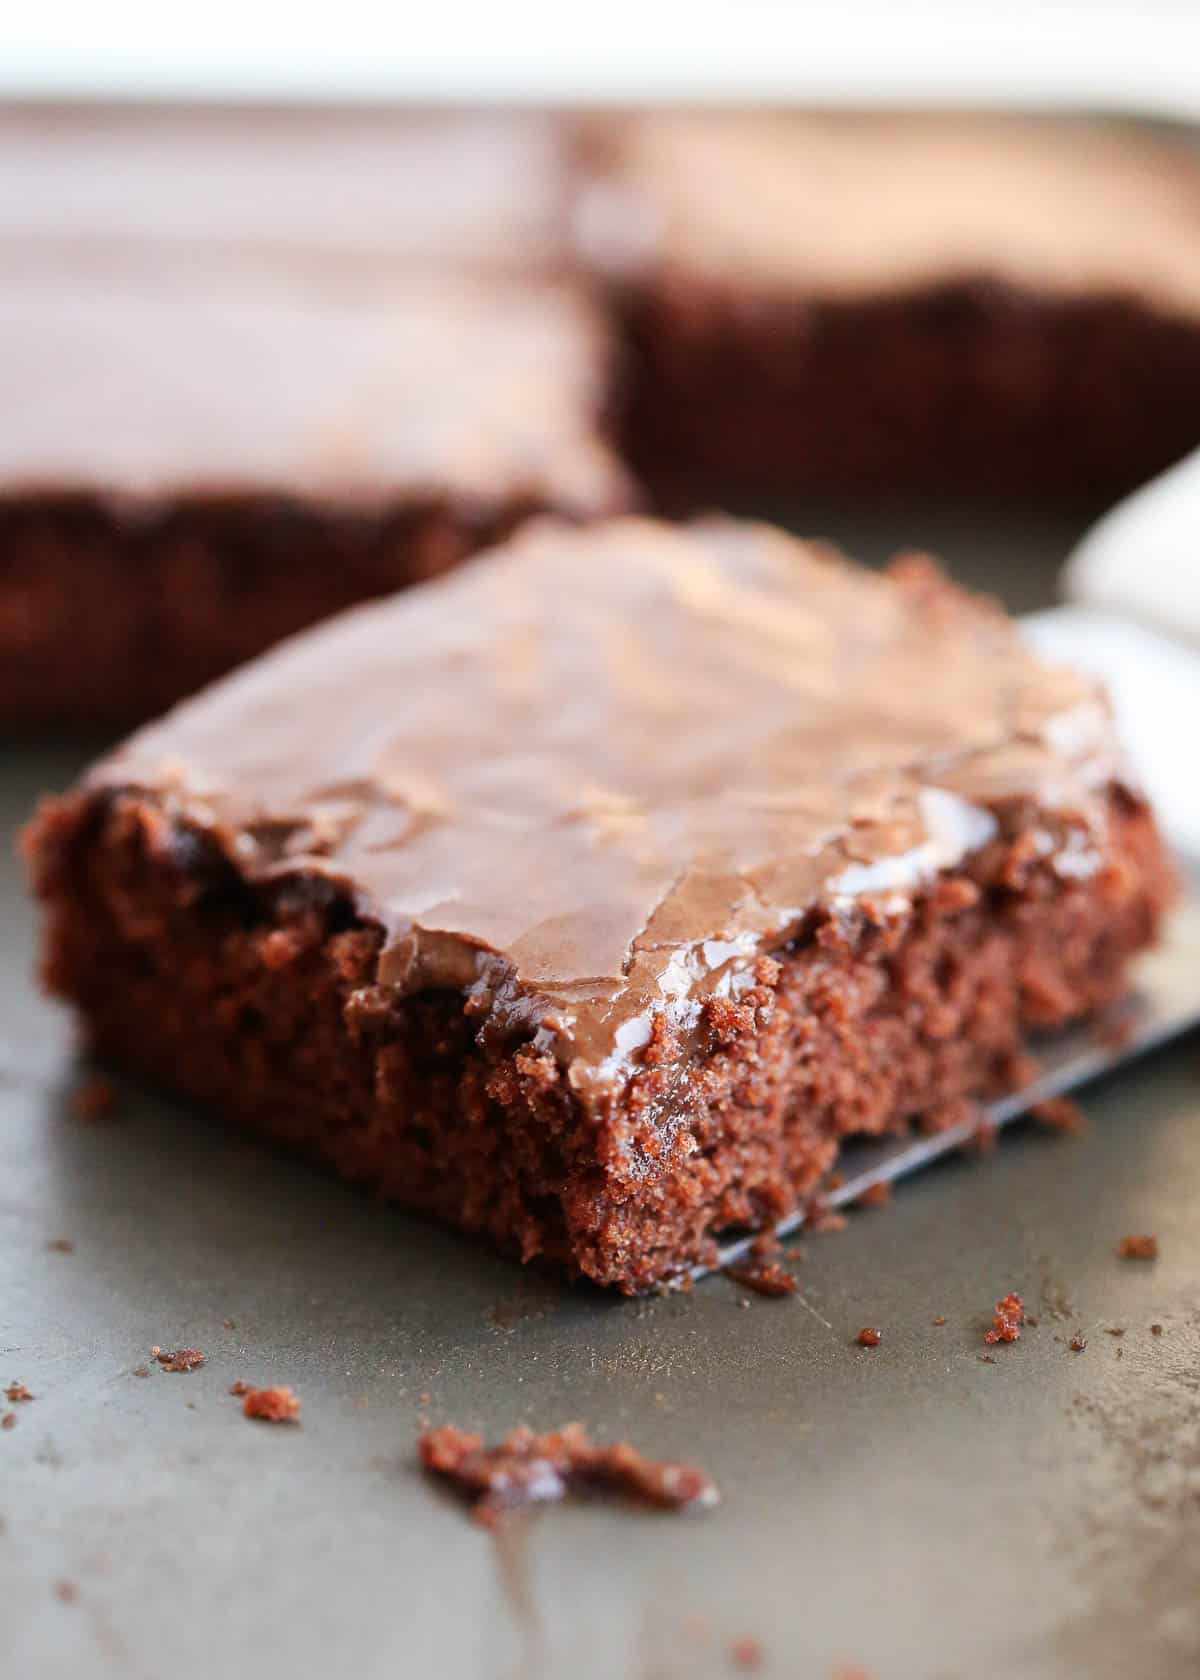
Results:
x,y
527,1469
1059,1114
239,1388
272,1405
870,1338
16,1392
1078,1343
747,1652
1007,1320
1156,1330
1116,1033
1138,1248
1114,1330
61,1245
66,1592
984,1136
875,1195
765,1277
8,1421
184,1359
95,1098
939,1320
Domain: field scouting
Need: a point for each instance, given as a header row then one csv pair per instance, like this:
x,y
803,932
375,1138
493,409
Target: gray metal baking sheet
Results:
x,y
913,1510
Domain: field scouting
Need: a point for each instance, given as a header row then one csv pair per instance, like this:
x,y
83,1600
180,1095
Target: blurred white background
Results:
x,y
1095,53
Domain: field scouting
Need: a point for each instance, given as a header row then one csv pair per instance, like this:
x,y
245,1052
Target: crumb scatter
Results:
x,y
527,1469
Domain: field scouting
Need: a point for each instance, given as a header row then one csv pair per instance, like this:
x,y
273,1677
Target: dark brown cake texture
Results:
x,y
593,918
938,302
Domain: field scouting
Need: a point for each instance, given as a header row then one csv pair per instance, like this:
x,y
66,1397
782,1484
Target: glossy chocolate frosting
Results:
x,y
594,775
446,386
321,196
855,204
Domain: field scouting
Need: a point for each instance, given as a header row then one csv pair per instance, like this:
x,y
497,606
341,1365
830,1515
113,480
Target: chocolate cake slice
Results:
x,y
192,469
945,303
589,897
264,363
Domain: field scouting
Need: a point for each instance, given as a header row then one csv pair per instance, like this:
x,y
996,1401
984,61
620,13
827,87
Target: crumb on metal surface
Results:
x,y
764,1277
1059,1114
527,1469
95,1098
272,1405
1006,1320
183,1359
1138,1248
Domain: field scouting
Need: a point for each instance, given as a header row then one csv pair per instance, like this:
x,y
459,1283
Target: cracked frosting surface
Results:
x,y
594,775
